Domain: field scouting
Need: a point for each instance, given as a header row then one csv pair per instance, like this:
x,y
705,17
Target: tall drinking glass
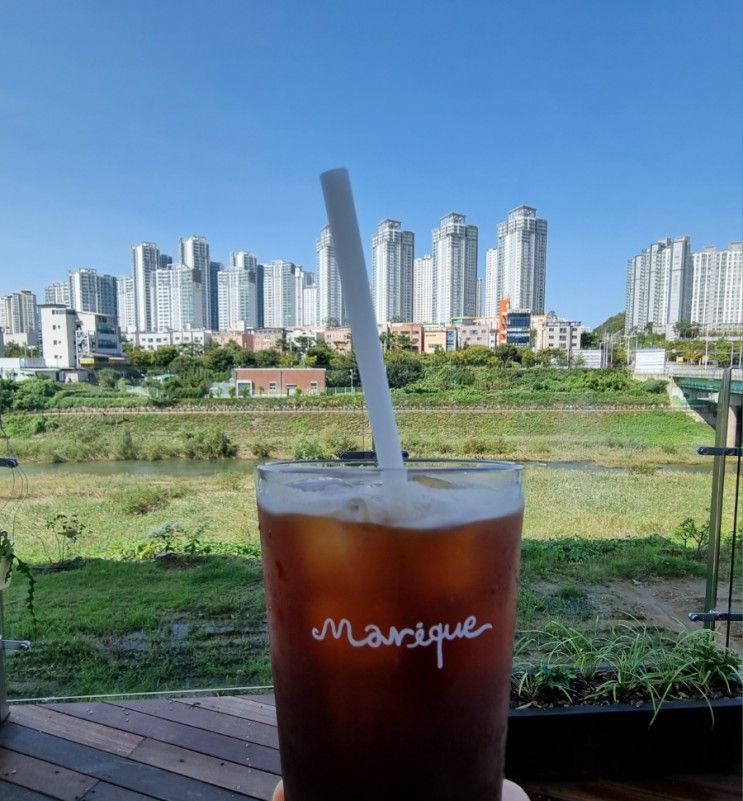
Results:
x,y
391,603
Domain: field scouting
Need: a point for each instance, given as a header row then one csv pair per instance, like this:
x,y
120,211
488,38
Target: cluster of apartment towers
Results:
x,y
198,293
667,284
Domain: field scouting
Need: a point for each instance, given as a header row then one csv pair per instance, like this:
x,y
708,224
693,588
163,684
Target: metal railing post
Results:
x,y
4,709
718,486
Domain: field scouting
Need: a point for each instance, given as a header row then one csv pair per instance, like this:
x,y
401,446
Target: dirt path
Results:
x,y
664,603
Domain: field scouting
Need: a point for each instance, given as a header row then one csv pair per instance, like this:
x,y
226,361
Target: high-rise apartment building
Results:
x,y
238,295
18,313
125,303
91,292
283,282
145,260
491,283
479,297
243,259
392,272
179,298
194,252
423,290
309,302
659,286
522,260
454,268
331,310
58,293
717,293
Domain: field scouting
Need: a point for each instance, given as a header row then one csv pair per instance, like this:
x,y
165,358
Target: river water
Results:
x,y
188,468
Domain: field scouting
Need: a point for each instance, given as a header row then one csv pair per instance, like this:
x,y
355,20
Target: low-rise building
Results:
x,y
337,339
242,338
411,335
71,340
266,339
439,337
476,331
551,331
518,327
152,340
278,381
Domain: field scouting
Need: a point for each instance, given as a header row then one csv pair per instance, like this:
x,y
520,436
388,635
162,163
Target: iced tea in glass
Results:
x,y
391,604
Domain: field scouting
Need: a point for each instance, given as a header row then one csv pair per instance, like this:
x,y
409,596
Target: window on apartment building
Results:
x,y
313,387
272,387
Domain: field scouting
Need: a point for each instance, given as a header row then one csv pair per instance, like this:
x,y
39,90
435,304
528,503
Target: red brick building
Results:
x,y
276,381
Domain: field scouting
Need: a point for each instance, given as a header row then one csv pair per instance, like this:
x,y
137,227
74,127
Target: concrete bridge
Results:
x,y
697,389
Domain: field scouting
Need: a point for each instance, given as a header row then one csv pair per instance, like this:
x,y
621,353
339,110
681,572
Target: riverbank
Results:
x,y
622,438
597,544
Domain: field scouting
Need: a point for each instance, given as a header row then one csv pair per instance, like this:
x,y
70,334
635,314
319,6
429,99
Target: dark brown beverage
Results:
x,y
391,648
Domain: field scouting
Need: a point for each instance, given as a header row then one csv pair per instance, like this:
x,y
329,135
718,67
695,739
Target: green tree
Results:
x,y
403,368
161,358
139,358
34,393
8,389
107,377
220,359
266,358
474,356
590,340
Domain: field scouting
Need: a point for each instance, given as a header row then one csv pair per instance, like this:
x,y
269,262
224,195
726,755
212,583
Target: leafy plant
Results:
x,y
689,534
10,561
66,530
629,663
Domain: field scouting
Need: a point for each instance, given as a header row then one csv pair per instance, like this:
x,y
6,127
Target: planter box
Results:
x,y
603,741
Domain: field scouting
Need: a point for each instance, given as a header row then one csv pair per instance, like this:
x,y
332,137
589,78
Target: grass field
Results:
x,y
120,620
621,438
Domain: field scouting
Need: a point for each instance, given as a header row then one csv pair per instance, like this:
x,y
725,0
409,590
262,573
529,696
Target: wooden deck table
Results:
x,y
214,749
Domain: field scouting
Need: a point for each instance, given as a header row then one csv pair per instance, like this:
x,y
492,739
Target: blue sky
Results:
x,y
123,122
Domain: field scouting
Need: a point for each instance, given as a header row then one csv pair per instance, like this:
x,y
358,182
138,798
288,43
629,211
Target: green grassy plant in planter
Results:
x,y
625,700
10,563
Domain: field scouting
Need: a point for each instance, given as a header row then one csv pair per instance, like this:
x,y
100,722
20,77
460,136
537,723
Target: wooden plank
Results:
x,y
116,770
200,718
37,774
239,707
637,790
103,791
255,783
14,792
217,745
68,727
269,699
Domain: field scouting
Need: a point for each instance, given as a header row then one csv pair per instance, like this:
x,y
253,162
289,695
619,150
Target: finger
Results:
x,y
278,793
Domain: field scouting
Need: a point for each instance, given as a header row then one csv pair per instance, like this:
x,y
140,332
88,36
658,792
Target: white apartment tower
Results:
x,y
521,260
717,294
237,292
18,317
491,283
283,283
392,272
179,299
331,310
125,303
91,292
194,253
454,268
145,260
58,293
309,302
659,286
423,290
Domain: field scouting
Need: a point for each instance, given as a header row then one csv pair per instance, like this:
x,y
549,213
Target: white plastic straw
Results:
x,y
349,255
